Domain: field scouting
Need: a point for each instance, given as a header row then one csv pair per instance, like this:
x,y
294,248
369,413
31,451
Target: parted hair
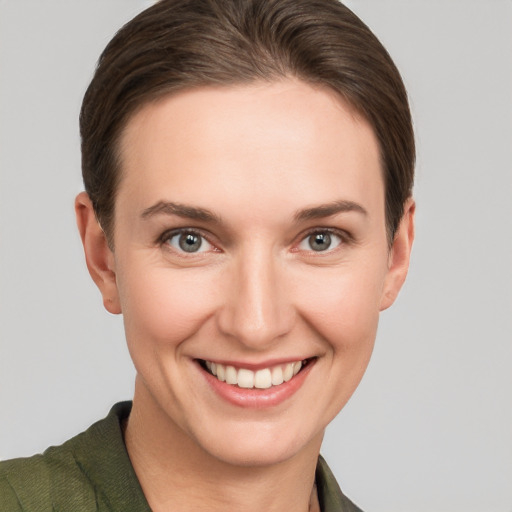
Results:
x,y
182,44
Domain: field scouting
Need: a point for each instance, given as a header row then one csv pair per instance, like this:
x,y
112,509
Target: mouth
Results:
x,y
263,378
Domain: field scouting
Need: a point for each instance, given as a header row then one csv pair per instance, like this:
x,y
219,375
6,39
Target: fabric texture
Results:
x,y
92,473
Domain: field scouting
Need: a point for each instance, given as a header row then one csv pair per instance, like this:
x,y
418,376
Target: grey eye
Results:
x,y
320,241
188,241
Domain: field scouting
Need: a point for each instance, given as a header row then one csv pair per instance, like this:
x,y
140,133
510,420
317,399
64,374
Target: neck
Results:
x,y
177,474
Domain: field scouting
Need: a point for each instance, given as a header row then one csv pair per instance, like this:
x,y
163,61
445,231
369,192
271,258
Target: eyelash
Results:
x,y
164,239
344,237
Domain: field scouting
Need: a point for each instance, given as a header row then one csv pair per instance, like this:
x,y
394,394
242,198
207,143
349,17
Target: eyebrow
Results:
x,y
181,210
326,210
196,213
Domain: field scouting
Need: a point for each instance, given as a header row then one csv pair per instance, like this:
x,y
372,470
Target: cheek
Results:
x,y
343,307
164,307
343,311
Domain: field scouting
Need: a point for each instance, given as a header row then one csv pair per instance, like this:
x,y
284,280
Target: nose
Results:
x,y
256,310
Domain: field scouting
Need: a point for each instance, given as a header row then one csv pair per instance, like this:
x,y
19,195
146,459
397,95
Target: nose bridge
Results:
x,y
256,310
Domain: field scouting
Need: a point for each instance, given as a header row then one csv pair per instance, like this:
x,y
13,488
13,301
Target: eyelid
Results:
x,y
170,233
344,236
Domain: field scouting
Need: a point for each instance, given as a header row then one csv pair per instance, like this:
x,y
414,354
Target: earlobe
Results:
x,y
98,255
399,256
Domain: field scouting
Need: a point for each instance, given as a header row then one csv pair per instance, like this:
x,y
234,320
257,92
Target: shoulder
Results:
x,y
36,483
82,474
23,484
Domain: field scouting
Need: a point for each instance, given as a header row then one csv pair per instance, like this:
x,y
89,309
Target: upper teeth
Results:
x,y
261,379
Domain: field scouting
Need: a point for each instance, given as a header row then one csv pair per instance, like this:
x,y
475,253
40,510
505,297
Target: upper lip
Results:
x,y
257,366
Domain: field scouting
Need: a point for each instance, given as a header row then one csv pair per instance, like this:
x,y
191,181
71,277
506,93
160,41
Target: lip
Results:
x,y
257,398
258,366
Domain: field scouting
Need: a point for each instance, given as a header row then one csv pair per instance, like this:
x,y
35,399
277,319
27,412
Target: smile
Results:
x,y
260,379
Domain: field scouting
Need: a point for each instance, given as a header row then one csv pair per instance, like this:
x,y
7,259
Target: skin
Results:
x,y
254,156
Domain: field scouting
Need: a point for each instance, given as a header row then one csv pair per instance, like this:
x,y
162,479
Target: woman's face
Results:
x,y
250,242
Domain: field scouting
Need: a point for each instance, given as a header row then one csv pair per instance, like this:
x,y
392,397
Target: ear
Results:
x,y
399,256
98,255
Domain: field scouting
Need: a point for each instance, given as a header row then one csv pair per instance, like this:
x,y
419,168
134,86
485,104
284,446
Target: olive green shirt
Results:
x,y
92,473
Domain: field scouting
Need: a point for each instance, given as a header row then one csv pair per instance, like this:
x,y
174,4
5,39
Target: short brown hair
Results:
x,y
181,44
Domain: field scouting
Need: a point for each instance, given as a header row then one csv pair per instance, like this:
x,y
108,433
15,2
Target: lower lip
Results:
x,y
258,398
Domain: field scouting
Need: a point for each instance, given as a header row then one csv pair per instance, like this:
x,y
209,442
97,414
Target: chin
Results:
x,y
257,445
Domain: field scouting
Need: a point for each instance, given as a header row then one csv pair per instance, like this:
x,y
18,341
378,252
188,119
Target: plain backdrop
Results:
x,y
430,427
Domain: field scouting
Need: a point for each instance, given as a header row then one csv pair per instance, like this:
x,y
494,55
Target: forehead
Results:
x,y
284,141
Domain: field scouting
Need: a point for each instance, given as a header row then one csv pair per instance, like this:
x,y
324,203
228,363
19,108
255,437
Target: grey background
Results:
x,y
430,428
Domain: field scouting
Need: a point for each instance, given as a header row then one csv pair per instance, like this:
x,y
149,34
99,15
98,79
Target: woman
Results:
x,y
248,169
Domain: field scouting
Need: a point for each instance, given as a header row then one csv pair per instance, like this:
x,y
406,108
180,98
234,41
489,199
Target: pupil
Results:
x,y
320,241
190,242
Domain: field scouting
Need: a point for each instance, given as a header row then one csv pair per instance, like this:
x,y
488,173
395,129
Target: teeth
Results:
x,y
221,373
288,372
245,378
277,375
261,379
231,376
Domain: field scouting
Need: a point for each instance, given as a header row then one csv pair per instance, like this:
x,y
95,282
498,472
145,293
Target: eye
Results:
x,y
187,241
320,241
